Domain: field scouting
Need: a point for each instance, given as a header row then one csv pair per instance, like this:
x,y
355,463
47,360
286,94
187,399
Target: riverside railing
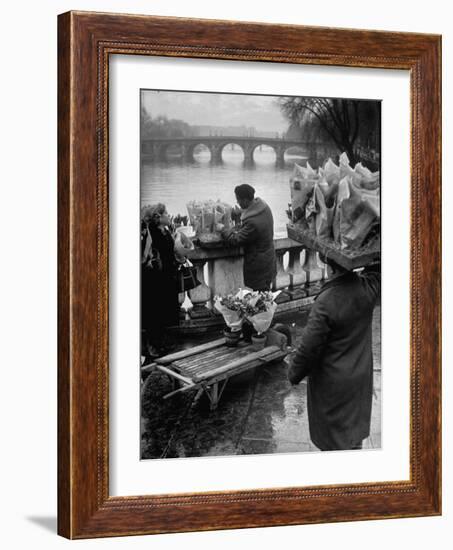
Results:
x,y
300,273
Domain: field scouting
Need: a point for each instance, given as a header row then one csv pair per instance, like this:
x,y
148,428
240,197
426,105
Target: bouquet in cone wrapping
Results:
x,y
256,306
231,307
259,309
337,203
205,215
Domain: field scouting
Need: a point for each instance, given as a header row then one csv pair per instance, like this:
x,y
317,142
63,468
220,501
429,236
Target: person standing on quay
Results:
x,y
256,236
335,353
159,286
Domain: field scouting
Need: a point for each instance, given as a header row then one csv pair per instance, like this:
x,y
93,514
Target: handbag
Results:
x,y
187,277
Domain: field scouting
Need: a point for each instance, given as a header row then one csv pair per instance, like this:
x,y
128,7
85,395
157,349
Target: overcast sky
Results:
x,y
195,108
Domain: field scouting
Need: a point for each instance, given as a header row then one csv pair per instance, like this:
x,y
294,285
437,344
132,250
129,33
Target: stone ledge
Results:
x,y
199,253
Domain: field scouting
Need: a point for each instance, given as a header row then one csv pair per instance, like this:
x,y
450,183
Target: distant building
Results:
x,y
237,131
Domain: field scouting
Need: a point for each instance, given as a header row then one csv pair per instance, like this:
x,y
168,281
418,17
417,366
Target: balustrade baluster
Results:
x,y
312,270
200,296
283,278
297,275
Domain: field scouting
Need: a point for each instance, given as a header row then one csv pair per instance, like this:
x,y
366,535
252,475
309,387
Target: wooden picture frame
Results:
x,y
85,41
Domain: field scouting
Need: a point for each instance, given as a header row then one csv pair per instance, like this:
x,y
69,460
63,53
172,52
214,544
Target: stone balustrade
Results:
x,y
220,271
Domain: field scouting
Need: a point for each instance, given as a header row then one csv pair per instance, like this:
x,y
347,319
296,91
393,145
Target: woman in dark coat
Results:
x,y
335,352
159,296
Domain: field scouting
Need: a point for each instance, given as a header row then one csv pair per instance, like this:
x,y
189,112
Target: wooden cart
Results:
x,y
208,367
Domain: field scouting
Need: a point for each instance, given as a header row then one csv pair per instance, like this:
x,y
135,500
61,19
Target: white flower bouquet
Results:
x,y
259,309
231,307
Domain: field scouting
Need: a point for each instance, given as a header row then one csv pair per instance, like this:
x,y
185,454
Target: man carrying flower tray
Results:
x,y
335,353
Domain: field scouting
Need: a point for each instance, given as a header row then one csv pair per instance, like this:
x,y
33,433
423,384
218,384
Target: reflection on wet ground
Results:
x,y
259,412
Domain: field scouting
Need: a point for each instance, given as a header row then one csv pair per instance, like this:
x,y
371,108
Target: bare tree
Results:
x,y
343,121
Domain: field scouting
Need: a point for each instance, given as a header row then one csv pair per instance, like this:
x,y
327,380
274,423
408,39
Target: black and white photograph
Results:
x,y
260,274
226,242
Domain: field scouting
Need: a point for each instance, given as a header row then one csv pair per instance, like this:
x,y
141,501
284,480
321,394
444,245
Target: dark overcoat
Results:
x,y
335,352
256,236
159,292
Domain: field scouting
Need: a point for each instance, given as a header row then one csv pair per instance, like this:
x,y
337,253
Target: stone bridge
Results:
x,y
156,149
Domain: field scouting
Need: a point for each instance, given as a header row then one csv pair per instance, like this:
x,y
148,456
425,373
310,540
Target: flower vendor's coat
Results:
x,y
256,235
335,352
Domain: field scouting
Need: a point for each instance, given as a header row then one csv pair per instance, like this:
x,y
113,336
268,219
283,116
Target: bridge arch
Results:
x,y
272,146
189,149
219,147
304,153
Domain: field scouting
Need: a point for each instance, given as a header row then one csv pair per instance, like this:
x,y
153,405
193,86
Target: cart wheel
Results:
x,y
283,329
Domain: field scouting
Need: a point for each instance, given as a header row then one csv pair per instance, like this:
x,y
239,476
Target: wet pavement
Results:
x,y
259,412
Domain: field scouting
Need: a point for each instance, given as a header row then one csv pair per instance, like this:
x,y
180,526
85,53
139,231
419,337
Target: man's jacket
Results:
x,y
256,236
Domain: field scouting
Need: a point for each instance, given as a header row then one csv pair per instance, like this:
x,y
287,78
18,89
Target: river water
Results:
x,y
176,182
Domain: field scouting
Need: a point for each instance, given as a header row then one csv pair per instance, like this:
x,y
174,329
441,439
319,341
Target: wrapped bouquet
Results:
x,y
259,308
231,307
337,203
205,215
301,183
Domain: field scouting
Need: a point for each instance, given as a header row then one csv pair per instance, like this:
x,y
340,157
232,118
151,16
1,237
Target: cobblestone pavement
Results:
x,y
259,412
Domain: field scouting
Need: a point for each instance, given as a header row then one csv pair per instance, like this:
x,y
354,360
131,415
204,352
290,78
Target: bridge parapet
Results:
x,y
155,149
